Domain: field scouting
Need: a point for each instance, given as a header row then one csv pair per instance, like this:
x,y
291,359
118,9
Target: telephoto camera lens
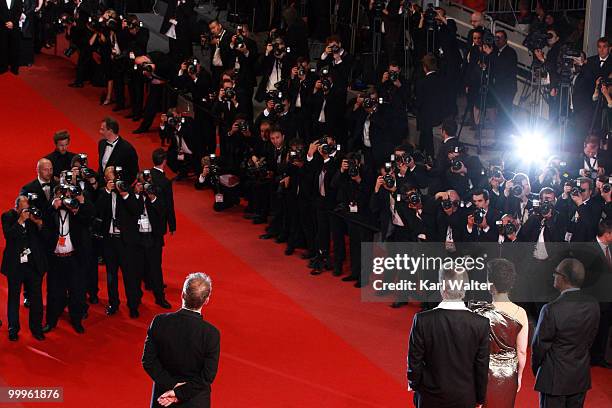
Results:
x,y
516,190
353,170
479,216
456,165
414,197
606,188
447,204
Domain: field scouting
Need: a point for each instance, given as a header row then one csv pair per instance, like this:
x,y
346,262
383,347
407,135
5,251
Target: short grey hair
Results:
x,y
447,275
196,290
573,271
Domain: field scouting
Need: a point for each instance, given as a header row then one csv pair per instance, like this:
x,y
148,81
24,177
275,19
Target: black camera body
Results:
x,y
543,208
229,94
516,191
456,165
353,170
536,40
35,211
394,76
149,188
430,17
606,188
325,147
479,215
296,155
506,229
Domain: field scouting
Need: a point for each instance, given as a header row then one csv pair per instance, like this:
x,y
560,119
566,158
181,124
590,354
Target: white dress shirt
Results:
x,y
108,150
64,233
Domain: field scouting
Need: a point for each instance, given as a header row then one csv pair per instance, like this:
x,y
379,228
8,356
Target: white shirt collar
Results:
x,y
570,290
157,168
113,142
452,305
41,181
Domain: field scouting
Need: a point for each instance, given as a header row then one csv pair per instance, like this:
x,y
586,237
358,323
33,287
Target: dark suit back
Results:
x,y
165,186
182,347
19,238
448,358
560,349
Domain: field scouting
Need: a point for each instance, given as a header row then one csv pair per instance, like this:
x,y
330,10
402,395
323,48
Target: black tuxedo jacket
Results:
x,y
182,13
228,58
79,226
315,167
19,238
135,208
504,68
35,187
105,211
60,162
593,69
165,186
13,14
266,67
448,358
431,100
560,348
123,155
182,347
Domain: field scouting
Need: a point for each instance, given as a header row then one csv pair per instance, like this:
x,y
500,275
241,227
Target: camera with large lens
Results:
x,y
134,24
70,203
278,49
479,215
325,147
388,177
543,208
35,211
296,155
149,188
447,204
145,67
606,188
353,170
537,40
326,83
456,164
369,102
413,197
430,17
239,37
496,172
516,191
229,93
192,65
393,76
576,191
243,126
506,229
301,71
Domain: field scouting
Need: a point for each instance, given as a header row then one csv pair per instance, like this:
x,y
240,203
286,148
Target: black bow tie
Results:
x,y
110,144
43,185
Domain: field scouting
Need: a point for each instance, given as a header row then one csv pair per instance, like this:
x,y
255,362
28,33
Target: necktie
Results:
x,y
601,63
608,257
109,144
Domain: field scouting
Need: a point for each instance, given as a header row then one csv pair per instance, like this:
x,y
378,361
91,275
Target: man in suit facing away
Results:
x,y
560,348
115,151
448,352
431,102
181,352
10,34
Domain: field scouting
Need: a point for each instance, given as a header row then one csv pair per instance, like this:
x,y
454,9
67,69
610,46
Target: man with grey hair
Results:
x,y
565,332
448,352
181,352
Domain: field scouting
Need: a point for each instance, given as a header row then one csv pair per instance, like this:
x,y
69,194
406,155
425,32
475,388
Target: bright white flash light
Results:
x,y
531,147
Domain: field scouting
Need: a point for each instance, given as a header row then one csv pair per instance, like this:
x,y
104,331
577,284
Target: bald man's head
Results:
x,y
44,168
477,19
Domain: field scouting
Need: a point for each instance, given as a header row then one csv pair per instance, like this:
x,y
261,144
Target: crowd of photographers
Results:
x,y
328,167
70,218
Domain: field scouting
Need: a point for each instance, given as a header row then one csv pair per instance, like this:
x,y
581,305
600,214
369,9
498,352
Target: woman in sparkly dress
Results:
x,y
509,336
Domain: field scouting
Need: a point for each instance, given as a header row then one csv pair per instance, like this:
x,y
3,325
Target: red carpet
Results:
x,y
287,339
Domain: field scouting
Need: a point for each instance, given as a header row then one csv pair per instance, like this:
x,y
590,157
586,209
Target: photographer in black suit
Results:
x,y
560,348
143,235
449,373
65,224
158,176
43,186
24,262
111,208
115,151
222,55
181,352
10,35
177,26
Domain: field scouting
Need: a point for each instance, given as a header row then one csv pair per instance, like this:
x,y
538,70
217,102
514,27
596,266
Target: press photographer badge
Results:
x,y
218,198
144,223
